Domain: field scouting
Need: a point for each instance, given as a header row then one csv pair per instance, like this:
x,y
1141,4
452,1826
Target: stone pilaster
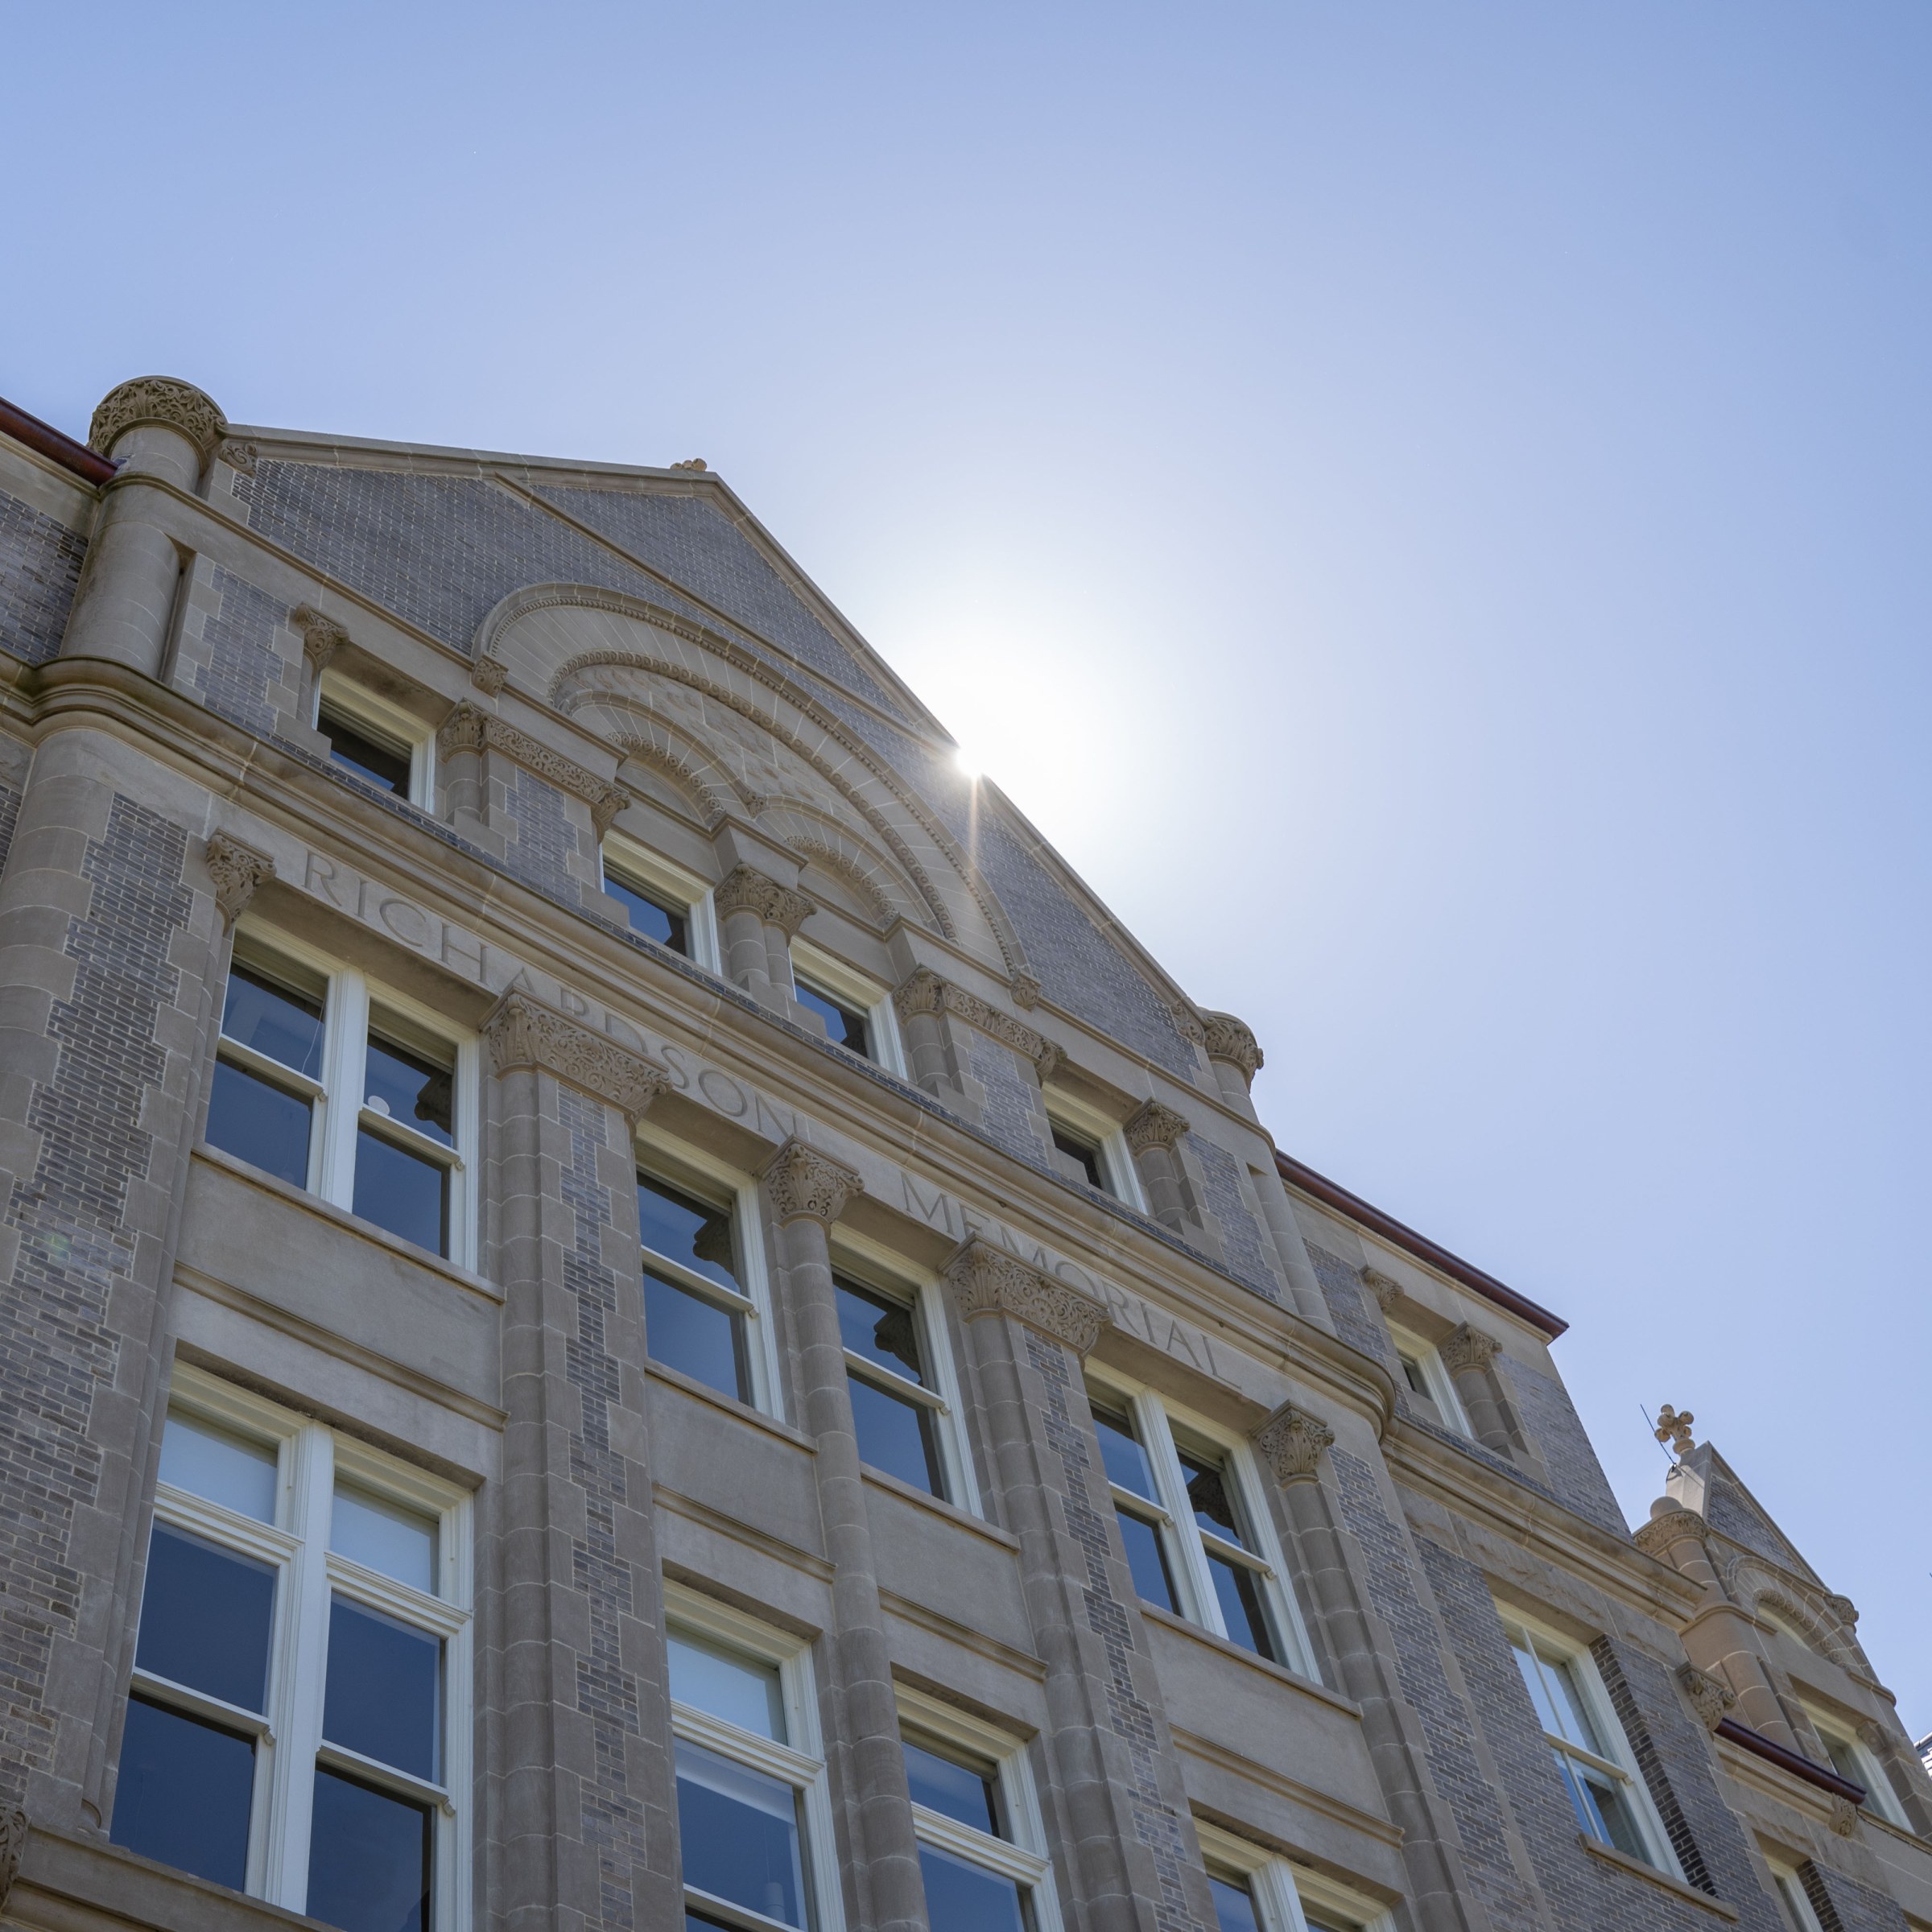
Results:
x,y
1236,1057
1469,1354
949,1034
757,919
1156,1137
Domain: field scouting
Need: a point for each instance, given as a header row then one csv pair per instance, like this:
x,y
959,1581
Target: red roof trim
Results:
x,y
1775,1753
1330,1194
45,440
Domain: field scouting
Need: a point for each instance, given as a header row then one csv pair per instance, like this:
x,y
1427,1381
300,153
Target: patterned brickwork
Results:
x,y
1550,1421
58,1346
1663,1794
1843,1905
1355,1322
1011,1110
1730,1515
1240,1238
9,817
41,562
242,672
545,840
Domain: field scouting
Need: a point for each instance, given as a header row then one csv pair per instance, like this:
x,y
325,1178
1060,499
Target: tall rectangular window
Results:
x,y
297,1724
1856,1764
1255,1890
377,743
856,1011
662,901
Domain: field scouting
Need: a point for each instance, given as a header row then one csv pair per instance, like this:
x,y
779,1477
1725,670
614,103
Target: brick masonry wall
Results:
x,y
41,562
1356,1322
1550,1421
1730,1515
541,837
1241,1244
1013,1111
237,655
1843,1905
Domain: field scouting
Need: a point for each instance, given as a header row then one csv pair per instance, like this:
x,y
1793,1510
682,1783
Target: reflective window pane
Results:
x,y
881,1330
898,1435
1083,1153
184,1793
1147,1560
406,1193
957,1790
845,1024
696,1337
670,925
1233,1907
371,1530
960,1897
384,1691
370,1856
206,1615
273,1020
1412,1374
222,1467
686,1231
411,1088
1238,1590
1123,1458
1530,1667
1208,1497
1573,1714
739,1831
254,1120
354,747
740,1690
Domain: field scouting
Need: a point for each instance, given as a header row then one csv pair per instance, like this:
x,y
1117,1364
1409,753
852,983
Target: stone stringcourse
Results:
x,y
1710,1698
926,991
806,1184
1233,1041
237,871
470,728
157,399
1386,1290
1157,1125
745,889
986,1280
522,1032
1656,1536
321,637
1290,1442
1467,1348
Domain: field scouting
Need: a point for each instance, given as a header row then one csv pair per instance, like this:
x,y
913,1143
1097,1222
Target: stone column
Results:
x,y
756,917
159,431
1153,1137
808,1191
580,1811
1132,1856
1289,1445
321,639
1469,1354
1236,1057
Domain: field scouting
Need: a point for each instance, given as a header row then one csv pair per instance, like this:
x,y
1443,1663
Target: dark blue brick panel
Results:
x,y
40,564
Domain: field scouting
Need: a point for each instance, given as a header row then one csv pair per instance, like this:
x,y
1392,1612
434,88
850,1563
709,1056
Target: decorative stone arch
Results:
x,y
1748,1583
875,884
687,765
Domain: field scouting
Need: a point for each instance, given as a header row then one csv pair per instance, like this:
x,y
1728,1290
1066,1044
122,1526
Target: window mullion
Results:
x,y
343,1053
1199,1603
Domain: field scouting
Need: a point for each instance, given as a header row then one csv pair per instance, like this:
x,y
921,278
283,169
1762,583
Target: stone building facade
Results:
x,y
625,1303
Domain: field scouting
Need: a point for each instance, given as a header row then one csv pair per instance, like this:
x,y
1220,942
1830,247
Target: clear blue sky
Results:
x,y
1425,504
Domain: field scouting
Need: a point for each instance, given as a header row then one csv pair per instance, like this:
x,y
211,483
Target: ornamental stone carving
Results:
x,y
12,1843
745,889
1233,1041
925,992
1710,1697
489,675
1188,1023
1290,1442
1386,1290
1673,1429
1026,990
1844,1817
1157,1125
986,1280
521,1032
179,405
1872,1736
1844,1609
806,1184
1655,1537
468,727
237,870
241,458
321,637
1464,1348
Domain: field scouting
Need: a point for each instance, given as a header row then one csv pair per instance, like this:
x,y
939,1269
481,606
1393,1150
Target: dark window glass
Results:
x,y
669,926
1147,1560
184,1793
957,1790
410,1089
898,1435
1233,1907
284,1026
739,1830
845,1025
696,1337
1084,1152
369,1857
1122,1456
384,1691
356,748
1238,1591
402,1192
205,1618
683,1230
881,1330
960,1897
1412,1374
1208,1498
256,1122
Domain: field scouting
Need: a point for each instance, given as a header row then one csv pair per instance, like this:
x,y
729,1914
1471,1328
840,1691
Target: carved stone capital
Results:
x,y
1655,1537
986,1280
237,870
1290,1442
468,727
1464,1348
164,399
1844,1817
806,1184
1157,1125
241,458
12,1843
522,1033
924,991
1188,1023
1026,990
1386,1290
1844,1609
745,889
489,675
1710,1697
321,637
1233,1041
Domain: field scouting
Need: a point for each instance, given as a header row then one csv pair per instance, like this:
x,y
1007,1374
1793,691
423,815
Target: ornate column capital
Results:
x,y
806,1184
924,991
470,728
1655,1537
745,889
986,1280
12,1843
489,675
163,400
1710,1697
1464,1348
321,637
1157,1125
1233,1041
238,870
521,1032
1844,1609
1386,1290
1290,1442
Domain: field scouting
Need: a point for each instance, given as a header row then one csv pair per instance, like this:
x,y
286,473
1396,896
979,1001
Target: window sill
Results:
x,y
728,1405
1676,1887
951,1513
1279,1673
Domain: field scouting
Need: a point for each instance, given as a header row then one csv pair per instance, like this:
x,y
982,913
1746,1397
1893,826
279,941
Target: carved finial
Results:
x,y
1674,1430
1291,1442
179,405
1233,1041
321,637
1710,1697
237,870
1465,1347
13,1841
1157,1125
745,889
696,463
489,675
808,1185
1386,1290
986,1280
521,1032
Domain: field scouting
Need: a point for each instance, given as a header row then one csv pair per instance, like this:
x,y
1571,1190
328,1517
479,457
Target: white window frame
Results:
x,y
347,1003
1621,1764
1436,1378
1792,1896
681,1166
657,877
800,1762
1879,1797
873,1264
1089,1124
1279,1887
1023,1855
1153,1418
832,977
386,721
288,1734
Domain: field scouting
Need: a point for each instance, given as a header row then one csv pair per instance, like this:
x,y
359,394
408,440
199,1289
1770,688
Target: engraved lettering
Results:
x,y
319,879
393,910
673,1057
625,1033
768,1120
457,956
937,1212
574,1003
731,1086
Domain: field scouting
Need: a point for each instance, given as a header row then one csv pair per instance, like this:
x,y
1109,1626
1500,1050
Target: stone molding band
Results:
x,y
986,1280
745,889
807,1184
470,728
924,991
238,871
177,405
522,1032
1290,1442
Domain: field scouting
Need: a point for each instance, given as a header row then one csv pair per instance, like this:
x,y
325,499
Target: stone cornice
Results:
x,y
924,991
986,1280
1467,1348
1290,1442
1157,1125
321,637
1233,1041
745,889
470,728
237,871
806,1184
520,1032
164,399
